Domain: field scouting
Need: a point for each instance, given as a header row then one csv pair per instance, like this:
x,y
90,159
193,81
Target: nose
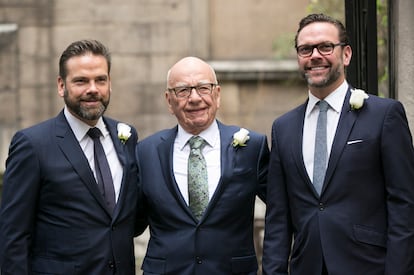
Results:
x,y
92,87
316,52
195,95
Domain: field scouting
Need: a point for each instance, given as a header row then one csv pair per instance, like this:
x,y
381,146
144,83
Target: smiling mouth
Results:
x,y
91,103
318,68
197,111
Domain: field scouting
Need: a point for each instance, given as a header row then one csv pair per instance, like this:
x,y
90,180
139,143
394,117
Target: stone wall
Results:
x,y
146,37
405,56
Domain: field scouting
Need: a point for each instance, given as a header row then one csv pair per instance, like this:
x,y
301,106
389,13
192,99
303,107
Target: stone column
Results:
x,y
405,56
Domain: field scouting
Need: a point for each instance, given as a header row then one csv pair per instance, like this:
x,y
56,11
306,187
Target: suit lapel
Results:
x,y
119,147
70,147
111,125
165,152
227,154
297,144
345,124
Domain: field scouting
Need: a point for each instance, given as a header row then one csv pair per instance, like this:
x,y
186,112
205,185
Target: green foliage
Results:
x,y
283,46
1,184
336,9
333,8
382,41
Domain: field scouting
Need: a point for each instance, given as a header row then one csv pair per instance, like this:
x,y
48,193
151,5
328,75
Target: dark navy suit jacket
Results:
x,y
363,222
53,218
222,241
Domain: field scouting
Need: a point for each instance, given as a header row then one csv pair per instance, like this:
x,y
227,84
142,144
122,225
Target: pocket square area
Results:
x,y
349,142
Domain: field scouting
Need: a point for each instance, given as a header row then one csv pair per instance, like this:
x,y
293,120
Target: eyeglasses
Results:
x,y
185,91
325,48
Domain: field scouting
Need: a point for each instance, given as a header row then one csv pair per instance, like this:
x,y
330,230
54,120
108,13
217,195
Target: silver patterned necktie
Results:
x,y
197,177
321,147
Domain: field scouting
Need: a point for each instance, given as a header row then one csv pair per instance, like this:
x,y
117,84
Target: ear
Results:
x,y
61,86
218,89
168,99
347,54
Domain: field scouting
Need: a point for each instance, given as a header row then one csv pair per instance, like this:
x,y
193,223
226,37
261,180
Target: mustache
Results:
x,y
91,98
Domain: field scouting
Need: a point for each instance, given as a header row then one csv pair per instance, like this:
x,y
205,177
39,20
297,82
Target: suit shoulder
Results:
x,y
115,122
379,105
256,135
38,130
297,112
157,137
381,101
235,128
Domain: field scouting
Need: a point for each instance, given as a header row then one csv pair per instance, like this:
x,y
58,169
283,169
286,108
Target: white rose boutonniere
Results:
x,y
357,99
240,138
124,132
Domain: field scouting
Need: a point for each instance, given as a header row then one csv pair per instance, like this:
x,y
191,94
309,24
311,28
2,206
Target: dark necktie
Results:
x,y
102,170
197,177
321,147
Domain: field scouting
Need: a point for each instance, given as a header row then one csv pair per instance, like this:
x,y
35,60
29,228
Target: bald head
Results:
x,y
198,100
191,67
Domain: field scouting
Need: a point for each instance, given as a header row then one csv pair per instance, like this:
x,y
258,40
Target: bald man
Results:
x,y
200,224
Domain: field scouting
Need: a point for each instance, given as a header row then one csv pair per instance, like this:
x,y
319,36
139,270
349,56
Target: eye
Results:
x,y
79,81
325,47
180,90
305,49
101,80
203,88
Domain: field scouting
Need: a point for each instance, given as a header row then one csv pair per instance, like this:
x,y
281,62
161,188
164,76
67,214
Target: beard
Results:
x,y
331,77
83,112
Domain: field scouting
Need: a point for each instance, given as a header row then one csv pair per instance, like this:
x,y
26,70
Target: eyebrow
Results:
x,y
201,82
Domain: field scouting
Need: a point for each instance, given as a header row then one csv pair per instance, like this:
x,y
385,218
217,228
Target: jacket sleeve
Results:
x,y
278,230
398,166
17,215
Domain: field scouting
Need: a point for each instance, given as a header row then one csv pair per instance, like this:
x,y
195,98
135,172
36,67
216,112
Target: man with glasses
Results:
x,y
199,182
341,171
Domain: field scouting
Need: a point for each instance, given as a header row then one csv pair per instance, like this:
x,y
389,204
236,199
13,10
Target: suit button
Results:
x,y
111,264
198,260
321,206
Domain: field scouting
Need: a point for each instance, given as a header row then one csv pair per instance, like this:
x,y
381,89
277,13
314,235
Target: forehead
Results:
x,y
318,32
87,63
191,73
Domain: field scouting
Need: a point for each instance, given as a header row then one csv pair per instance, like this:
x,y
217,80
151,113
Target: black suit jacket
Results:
x,y
53,219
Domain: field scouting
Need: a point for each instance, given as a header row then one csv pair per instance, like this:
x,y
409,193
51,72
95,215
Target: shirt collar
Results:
x,y
80,128
334,99
210,135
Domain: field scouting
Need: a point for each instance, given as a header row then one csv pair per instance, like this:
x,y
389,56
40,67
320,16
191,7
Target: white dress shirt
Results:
x,y
211,153
335,101
80,130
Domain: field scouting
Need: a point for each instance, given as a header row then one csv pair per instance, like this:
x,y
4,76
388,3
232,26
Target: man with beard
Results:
x,y
70,185
341,173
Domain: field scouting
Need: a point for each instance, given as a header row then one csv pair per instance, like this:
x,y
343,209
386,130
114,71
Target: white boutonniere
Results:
x,y
124,132
357,99
240,138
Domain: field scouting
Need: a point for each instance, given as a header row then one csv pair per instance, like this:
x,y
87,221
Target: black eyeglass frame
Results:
x,y
185,91
332,45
